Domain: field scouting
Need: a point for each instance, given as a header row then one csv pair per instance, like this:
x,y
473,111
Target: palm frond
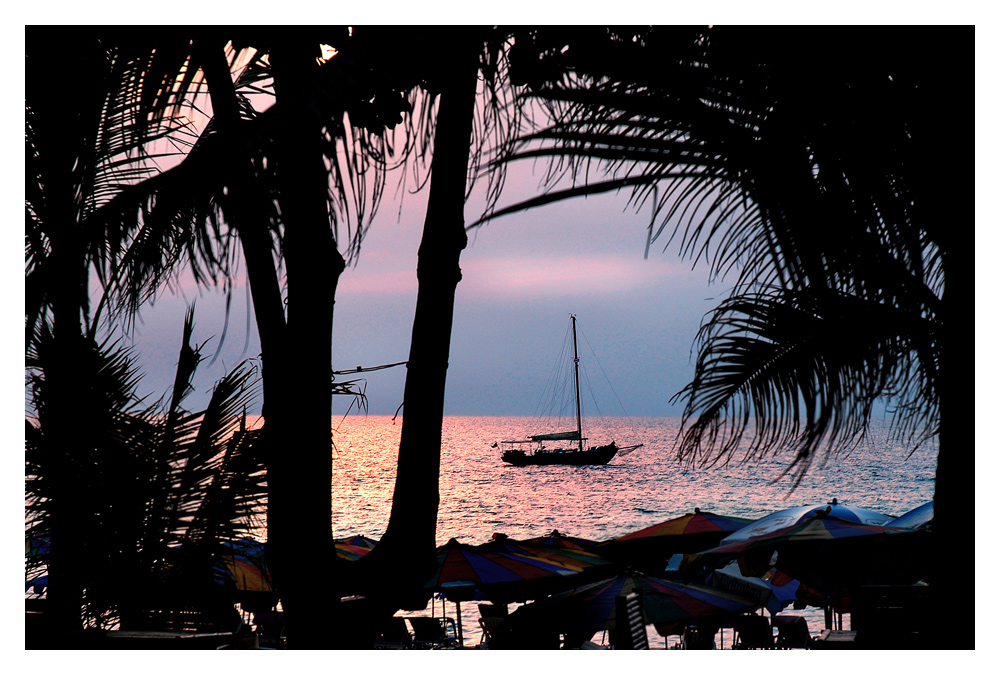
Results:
x,y
147,478
802,373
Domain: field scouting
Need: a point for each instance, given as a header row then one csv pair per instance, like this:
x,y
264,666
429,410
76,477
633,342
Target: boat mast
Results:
x,y
576,373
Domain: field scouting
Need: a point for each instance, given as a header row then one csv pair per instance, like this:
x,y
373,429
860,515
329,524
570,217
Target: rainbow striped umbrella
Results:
x,y
688,526
494,570
650,547
563,541
36,544
592,566
670,605
244,562
353,548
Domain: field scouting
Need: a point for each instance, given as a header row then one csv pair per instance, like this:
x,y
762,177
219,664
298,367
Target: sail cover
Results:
x,y
558,436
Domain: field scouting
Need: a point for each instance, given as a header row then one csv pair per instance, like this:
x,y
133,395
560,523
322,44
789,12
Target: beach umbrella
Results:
x,y
36,584
36,544
244,563
570,557
653,545
353,548
502,576
816,533
830,555
669,605
786,517
36,550
774,596
494,570
560,540
920,517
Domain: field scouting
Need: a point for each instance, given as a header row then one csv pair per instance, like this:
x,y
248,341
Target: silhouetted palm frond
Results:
x,y
803,371
148,478
795,165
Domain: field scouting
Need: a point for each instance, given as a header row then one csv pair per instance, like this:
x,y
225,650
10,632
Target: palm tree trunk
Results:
x,y
299,506
298,482
65,426
955,480
410,533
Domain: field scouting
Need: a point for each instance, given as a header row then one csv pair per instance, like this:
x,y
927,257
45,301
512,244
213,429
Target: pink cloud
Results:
x,y
537,276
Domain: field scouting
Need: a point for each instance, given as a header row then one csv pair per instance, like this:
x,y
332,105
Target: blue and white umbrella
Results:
x,y
920,517
795,515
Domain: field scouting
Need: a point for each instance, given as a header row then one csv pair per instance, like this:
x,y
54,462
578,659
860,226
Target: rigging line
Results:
x,y
590,390
622,405
369,369
553,387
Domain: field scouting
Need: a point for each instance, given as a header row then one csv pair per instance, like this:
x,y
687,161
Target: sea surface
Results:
x,y
480,495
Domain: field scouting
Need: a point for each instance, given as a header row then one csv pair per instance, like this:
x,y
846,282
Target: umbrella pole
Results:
x,y
458,613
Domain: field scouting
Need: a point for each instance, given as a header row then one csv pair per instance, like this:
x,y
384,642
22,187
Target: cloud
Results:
x,y
534,277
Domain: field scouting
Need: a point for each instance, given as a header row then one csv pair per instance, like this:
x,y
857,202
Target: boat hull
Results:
x,y
593,456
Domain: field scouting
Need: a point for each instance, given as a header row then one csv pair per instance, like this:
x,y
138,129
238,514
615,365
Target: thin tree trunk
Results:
x,y
410,533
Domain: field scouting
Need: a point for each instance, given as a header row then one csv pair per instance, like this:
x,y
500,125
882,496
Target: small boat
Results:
x,y
533,451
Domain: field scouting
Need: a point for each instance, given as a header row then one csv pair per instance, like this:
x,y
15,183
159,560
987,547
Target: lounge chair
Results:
x,y
431,632
490,610
752,631
489,625
630,632
394,635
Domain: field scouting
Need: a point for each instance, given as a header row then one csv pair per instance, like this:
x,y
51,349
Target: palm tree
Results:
x,y
275,195
466,127
76,159
264,177
283,137
158,487
814,173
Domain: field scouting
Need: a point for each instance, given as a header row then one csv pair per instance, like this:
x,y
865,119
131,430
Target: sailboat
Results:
x,y
532,451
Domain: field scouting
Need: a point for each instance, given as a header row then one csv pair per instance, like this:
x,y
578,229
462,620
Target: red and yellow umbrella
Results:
x,y
650,547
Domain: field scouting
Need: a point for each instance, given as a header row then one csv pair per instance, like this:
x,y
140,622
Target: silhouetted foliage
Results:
x,y
156,487
820,167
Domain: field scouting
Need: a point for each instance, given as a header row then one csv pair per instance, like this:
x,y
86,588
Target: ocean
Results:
x,y
480,495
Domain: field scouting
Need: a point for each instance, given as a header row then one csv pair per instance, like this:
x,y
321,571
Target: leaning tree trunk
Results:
x,y
409,542
301,472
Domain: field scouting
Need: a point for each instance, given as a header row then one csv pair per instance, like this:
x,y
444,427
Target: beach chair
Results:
x,y
487,610
631,625
489,625
431,632
793,632
394,635
752,631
